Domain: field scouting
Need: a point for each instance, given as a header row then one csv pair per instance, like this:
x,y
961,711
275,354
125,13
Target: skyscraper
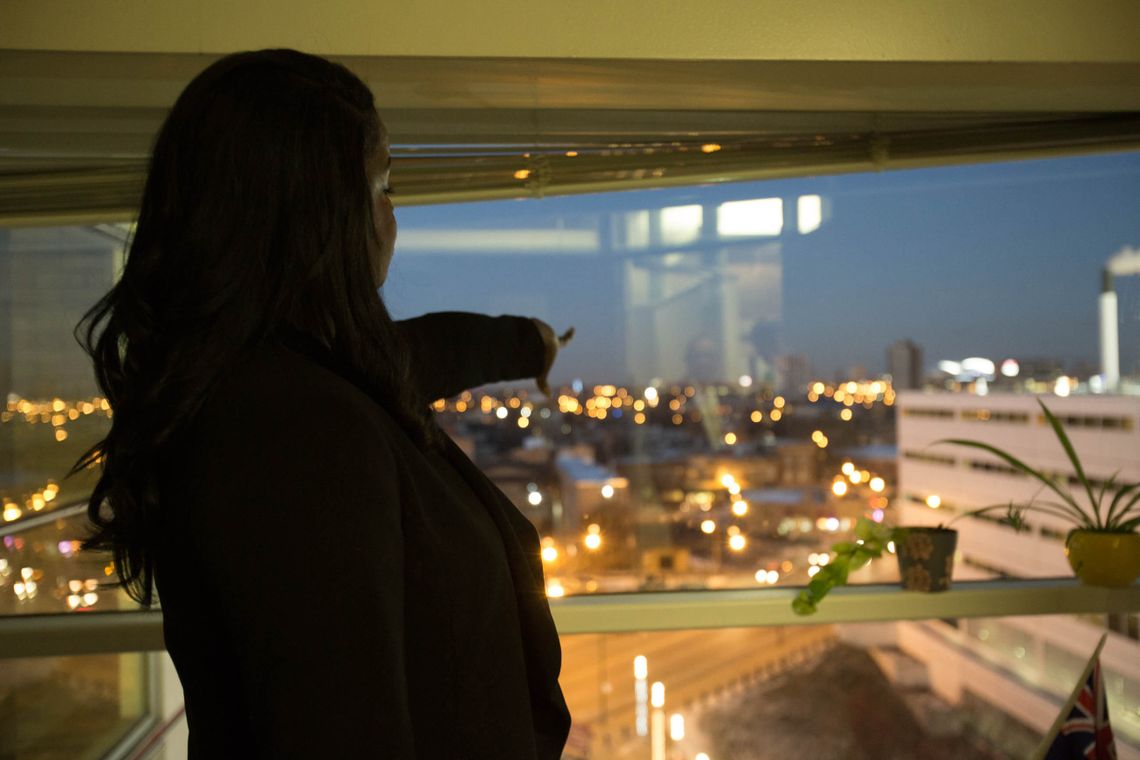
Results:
x,y
904,363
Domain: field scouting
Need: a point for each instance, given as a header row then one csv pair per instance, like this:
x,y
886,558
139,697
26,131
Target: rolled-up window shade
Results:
x,y
560,165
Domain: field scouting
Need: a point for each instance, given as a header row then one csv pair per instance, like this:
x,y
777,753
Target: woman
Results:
x,y
337,578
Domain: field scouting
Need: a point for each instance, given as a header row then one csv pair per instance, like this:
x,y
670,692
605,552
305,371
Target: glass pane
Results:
x,y
52,414
887,690
43,571
759,365
738,392
52,411
70,707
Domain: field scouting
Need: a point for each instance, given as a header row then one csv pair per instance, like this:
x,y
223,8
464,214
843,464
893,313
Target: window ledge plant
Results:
x,y
1103,547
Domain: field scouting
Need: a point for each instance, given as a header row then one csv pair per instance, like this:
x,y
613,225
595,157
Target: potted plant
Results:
x,y
1103,548
925,554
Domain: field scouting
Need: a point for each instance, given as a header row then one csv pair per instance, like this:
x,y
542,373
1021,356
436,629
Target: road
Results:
x,y
597,673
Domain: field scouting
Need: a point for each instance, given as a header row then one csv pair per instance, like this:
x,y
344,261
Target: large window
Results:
x,y
756,367
728,407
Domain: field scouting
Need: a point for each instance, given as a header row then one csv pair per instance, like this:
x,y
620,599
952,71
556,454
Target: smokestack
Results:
x,y
1109,341
1125,263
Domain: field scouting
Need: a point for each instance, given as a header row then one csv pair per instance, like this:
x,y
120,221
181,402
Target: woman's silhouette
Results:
x,y
337,578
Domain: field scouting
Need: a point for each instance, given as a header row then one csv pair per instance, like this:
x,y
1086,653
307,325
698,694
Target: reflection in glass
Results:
x,y
62,708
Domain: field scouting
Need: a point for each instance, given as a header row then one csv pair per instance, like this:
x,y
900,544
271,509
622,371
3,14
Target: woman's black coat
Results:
x,y
330,590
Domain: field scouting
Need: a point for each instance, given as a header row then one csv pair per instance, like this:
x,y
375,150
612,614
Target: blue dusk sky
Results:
x,y
992,260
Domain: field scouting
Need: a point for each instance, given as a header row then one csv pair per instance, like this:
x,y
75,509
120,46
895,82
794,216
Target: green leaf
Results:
x,y
848,556
865,529
1015,518
1067,445
1122,492
1129,525
820,584
1070,504
803,604
858,559
1105,487
838,568
873,535
1133,504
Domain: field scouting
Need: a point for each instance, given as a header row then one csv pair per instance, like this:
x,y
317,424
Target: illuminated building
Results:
x,y
1028,657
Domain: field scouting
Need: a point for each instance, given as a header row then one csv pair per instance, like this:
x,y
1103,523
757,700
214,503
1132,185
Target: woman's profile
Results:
x,y
337,578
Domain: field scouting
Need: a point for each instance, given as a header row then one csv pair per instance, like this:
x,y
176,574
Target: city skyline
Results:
x,y
996,260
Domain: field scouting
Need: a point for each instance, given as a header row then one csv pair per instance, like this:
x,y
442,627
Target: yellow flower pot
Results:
x,y
1104,559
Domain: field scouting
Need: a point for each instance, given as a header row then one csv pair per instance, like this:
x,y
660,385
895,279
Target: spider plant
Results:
x,y
1113,508
1121,514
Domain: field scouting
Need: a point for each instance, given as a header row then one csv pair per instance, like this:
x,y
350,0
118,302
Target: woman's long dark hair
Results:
x,y
256,218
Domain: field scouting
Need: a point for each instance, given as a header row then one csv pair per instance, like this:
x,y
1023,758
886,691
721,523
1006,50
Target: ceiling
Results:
x,y
638,99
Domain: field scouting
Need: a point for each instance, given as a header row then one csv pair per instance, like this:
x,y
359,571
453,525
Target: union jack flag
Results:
x,y
1085,734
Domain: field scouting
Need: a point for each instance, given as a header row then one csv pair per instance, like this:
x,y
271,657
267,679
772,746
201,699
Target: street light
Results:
x,y
657,733
641,694
676,727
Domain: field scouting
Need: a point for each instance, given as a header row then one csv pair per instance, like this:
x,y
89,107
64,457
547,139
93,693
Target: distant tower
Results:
x,y
793,373
904,363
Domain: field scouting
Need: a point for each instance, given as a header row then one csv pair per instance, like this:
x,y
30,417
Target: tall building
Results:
x,y
793,373
1024,666
904,363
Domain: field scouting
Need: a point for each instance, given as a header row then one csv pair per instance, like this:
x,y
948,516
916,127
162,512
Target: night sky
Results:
x,y
992,260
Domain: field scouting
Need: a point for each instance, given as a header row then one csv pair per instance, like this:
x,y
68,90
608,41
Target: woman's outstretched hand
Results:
x,y
552,343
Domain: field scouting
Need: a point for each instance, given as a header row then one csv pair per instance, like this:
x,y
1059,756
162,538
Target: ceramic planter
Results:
x,y
1100,558
926,558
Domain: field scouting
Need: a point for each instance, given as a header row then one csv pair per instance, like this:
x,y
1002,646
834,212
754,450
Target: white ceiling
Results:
x,y
835,86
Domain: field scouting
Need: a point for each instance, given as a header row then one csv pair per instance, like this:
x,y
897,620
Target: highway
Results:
x,y
598,680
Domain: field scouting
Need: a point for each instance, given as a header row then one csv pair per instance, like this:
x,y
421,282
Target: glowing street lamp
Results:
x,y
641,695
676,727
657,741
